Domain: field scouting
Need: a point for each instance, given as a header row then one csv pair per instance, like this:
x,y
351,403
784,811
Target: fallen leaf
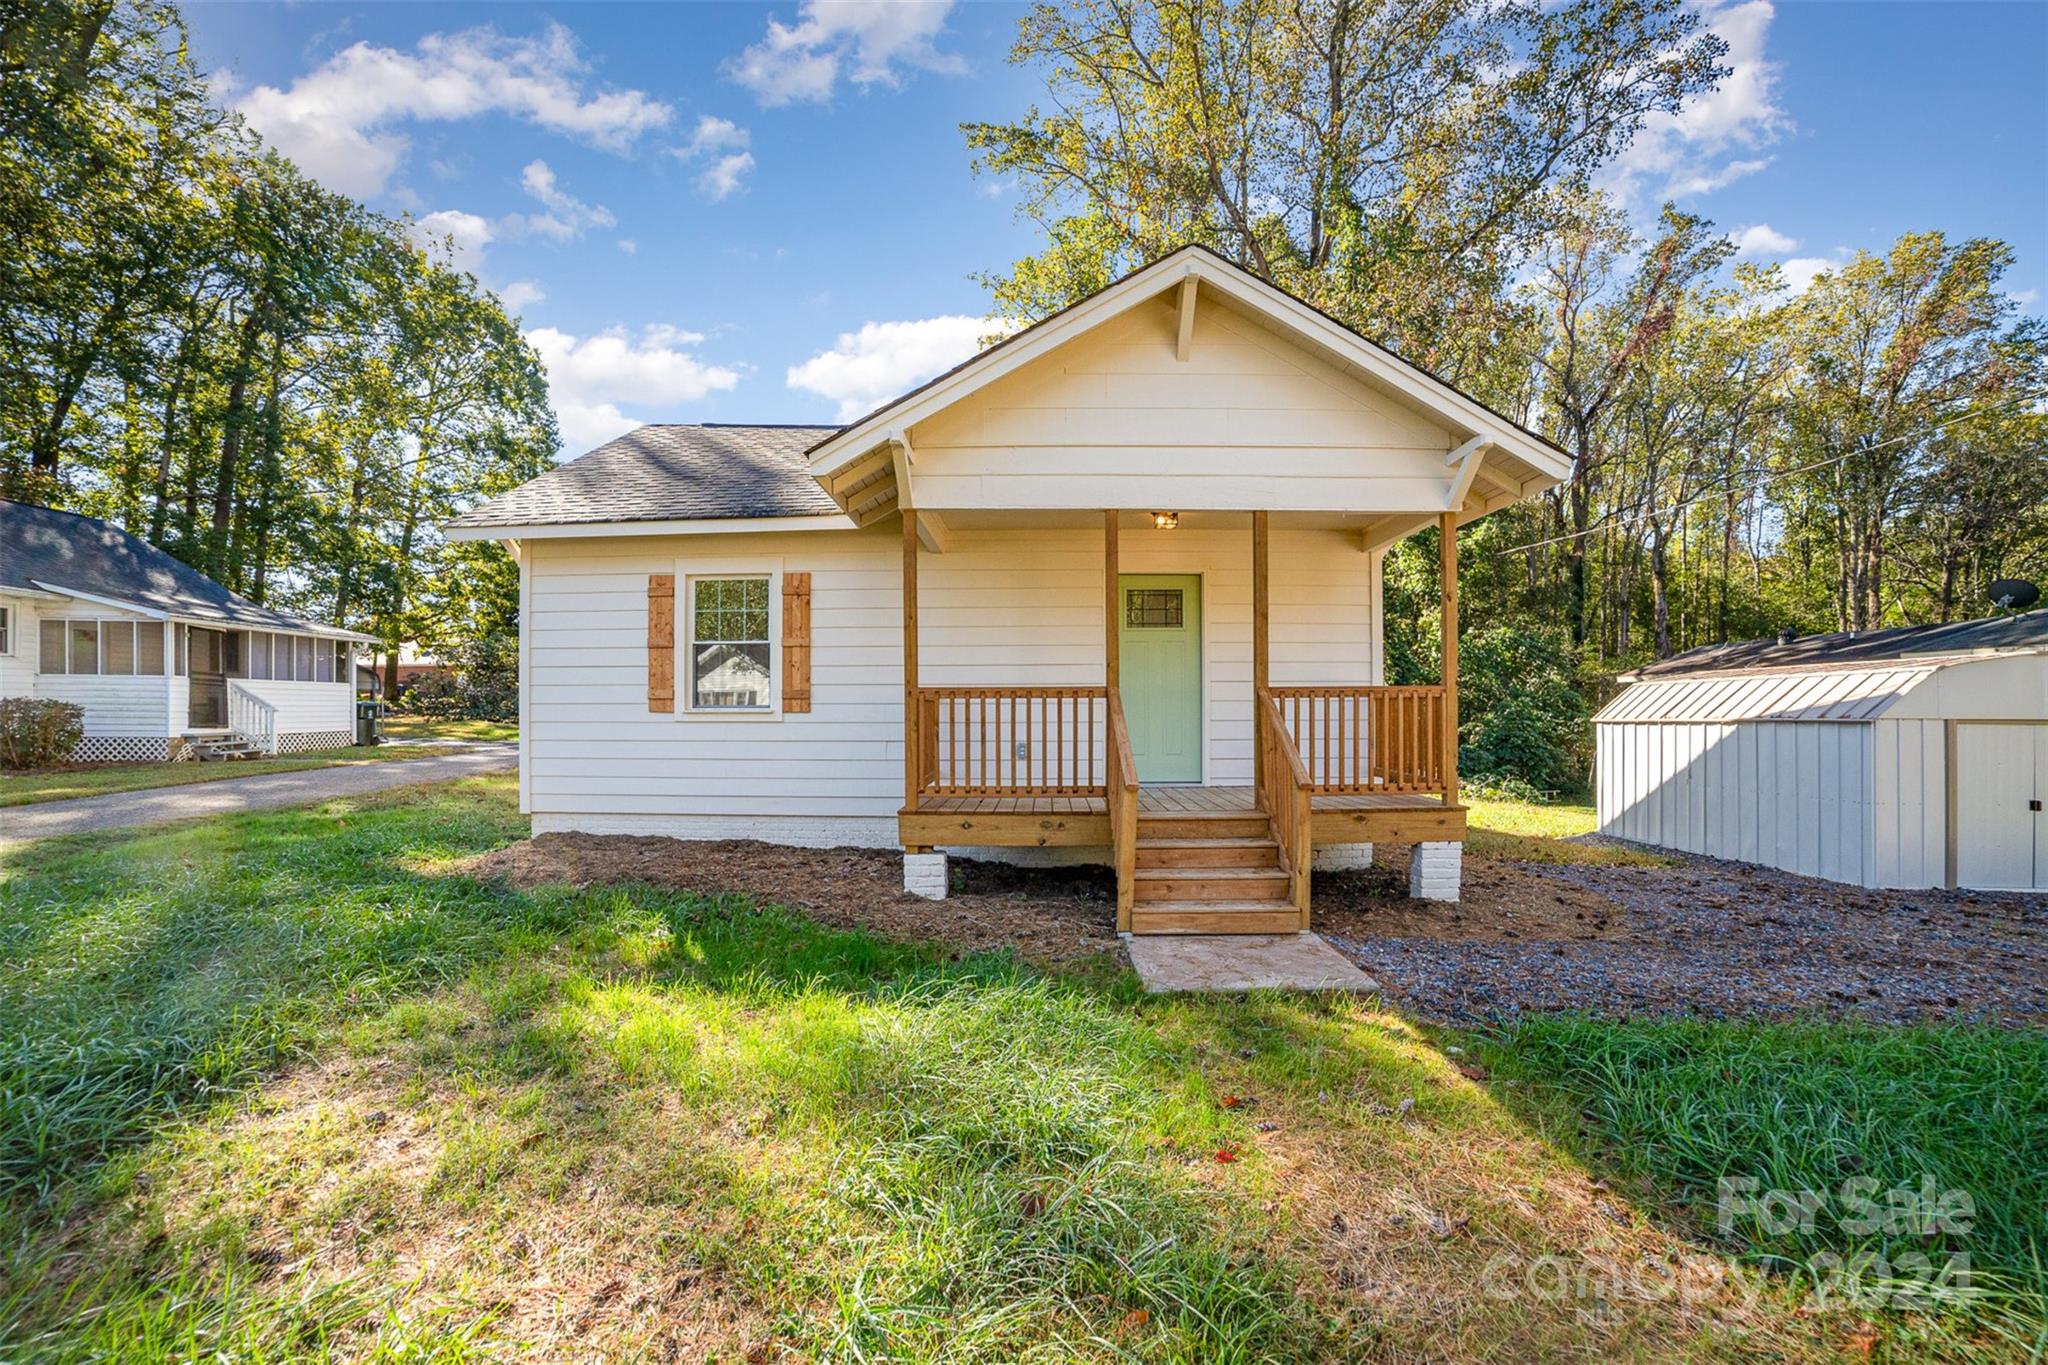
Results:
x,y
1225,1155
1031,1204
1133,1320
1232,1101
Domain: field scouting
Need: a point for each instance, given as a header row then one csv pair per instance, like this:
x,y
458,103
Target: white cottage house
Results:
x,y
1109,589
165,662
1915,757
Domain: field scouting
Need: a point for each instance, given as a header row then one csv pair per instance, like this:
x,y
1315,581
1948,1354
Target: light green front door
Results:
x,y
1161,653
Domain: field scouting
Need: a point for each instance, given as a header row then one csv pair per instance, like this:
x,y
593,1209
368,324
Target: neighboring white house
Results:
x,y
1900,758
1109,589
162,658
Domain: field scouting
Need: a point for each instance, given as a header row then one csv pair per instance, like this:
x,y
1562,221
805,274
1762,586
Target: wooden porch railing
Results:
x,y
1284,796
1122,796
1367,739
1011,741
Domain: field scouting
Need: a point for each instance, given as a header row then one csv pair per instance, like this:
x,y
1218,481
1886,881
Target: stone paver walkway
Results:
x,y
1243,962
230,795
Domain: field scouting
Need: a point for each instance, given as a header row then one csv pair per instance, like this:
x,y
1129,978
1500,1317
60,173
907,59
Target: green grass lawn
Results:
x,y
422,727
1530,833
292,1086
28,788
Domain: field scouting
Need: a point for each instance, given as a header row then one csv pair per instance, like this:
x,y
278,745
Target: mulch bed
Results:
x,y
1047,915
1701,937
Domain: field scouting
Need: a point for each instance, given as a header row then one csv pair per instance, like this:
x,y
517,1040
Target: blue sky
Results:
x,y
712,212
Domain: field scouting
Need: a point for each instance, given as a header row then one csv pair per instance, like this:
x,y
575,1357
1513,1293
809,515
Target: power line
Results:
x,y
1769,475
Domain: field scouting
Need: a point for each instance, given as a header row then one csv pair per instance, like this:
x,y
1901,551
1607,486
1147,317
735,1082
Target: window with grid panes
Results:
x,y
729,651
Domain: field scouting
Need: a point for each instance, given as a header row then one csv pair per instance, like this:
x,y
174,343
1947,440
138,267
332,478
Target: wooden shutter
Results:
x,y
661,642
796,643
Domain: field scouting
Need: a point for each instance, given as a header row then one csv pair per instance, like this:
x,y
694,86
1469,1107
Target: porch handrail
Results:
x,y
1285,793
1362,739
251,717
1010,741
1122,793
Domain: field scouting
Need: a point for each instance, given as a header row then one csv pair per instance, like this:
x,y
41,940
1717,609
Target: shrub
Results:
x,y
36,732
481,683
1522,717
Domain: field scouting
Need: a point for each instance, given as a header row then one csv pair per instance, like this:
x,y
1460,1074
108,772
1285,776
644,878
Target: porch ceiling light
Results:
x,y
1165,521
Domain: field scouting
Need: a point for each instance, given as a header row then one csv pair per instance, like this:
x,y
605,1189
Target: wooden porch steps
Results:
x,y
1209,872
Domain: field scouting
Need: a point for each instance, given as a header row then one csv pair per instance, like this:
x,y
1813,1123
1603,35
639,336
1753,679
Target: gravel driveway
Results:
x,y
1732,940
231,795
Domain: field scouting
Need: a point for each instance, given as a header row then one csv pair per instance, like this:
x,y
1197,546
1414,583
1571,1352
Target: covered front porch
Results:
x,y
1334,765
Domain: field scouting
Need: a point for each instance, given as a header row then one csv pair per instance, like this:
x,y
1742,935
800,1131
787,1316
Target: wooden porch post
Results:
x,y
911,773
1261,643
1112,655
1449,556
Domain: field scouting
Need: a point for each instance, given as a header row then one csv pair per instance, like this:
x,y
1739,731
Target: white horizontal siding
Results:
x,y
1791,795
1000,607
18,662
113,705
305,707
1249,419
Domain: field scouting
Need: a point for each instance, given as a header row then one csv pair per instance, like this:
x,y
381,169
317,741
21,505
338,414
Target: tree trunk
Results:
x,y
231,444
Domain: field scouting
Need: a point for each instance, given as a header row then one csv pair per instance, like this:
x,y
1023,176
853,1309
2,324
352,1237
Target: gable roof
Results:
x,y
1216,271
44,550
670,473
1908,644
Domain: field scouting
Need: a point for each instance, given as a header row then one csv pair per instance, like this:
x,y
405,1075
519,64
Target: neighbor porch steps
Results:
x,y
207,748
1209,873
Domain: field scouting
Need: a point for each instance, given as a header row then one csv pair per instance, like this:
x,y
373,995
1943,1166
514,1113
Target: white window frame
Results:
x,y
99,625
7,630
685,653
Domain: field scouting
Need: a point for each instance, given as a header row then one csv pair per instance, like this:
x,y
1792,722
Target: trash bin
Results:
x,y
369,720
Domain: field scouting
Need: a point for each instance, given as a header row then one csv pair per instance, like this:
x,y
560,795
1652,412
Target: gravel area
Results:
x,y
1727,939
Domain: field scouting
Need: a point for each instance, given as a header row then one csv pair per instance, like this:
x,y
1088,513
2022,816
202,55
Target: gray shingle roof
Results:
x,y
60,550
671,473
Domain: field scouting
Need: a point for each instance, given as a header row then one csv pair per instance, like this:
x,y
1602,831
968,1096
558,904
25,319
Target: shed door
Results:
x,y
2001,787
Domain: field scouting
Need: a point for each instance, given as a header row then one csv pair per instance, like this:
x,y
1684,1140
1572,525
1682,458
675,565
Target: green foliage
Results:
x,y
480,683
1523,718
36,732
261,376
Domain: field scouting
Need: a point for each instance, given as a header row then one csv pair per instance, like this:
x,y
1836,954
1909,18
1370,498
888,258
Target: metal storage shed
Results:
x,y
1899,758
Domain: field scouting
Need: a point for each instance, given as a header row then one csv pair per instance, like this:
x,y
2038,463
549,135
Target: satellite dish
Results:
x,y
2013,594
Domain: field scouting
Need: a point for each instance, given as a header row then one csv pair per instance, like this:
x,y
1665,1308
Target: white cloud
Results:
x,y
629,246
866,368
1801,271
2026,298
519,293
567,217
338,121
715,134
455,236
1761,239
870,42
589,377
724,143
726,176
1694,151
